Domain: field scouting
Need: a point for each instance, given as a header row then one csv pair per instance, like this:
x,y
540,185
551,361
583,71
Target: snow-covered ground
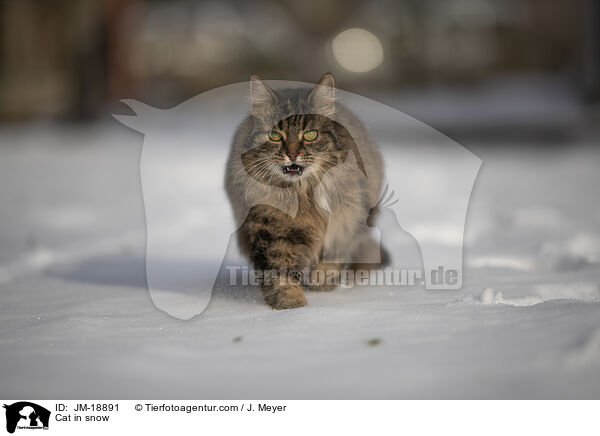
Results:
x,y
76,319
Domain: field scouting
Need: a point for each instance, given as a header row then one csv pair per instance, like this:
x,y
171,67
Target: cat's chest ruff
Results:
x,y
310,213
321,200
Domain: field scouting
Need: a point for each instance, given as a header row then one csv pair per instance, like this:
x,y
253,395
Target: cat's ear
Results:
x,y
322,97
260,94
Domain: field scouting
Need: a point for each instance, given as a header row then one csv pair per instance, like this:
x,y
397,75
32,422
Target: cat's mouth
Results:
x,y
293,169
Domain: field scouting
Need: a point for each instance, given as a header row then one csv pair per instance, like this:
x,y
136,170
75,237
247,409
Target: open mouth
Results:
x,y
293,169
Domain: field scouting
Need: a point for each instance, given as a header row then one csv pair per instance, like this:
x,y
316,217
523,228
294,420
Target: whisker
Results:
x,y
393,202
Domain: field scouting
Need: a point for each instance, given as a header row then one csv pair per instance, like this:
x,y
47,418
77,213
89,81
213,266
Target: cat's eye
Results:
x,y
275,136
310,135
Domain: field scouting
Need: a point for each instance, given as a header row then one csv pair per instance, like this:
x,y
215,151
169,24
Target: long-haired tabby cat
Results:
x,y
300,186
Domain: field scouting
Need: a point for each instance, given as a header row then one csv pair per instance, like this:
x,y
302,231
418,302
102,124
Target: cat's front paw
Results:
x,y
324,277
288,298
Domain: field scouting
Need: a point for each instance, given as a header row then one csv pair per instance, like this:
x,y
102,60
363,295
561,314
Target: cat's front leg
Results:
x,y
282,281
324,277
284,295
281,253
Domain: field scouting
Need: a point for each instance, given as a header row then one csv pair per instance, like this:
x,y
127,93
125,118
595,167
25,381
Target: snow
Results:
x,y
577,291
77,321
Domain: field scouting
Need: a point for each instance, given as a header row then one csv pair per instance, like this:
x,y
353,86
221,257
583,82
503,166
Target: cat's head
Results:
x,y
294,136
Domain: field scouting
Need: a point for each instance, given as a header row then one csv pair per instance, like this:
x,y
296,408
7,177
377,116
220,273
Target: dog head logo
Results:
x,y
188,216
26,415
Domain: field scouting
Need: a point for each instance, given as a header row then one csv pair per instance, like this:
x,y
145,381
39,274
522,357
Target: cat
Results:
x,y
307,190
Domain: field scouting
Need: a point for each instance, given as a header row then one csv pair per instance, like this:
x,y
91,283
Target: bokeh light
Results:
x,y
357,50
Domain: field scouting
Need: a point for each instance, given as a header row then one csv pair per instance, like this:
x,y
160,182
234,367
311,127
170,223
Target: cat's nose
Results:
x,y
292,156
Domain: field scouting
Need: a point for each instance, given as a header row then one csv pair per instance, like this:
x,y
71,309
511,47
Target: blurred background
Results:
x,y
491,64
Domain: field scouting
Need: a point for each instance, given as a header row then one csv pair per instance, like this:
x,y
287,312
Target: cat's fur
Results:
x,y
332,197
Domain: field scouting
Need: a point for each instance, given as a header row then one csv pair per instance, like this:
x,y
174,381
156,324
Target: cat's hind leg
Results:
x,y
369,254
